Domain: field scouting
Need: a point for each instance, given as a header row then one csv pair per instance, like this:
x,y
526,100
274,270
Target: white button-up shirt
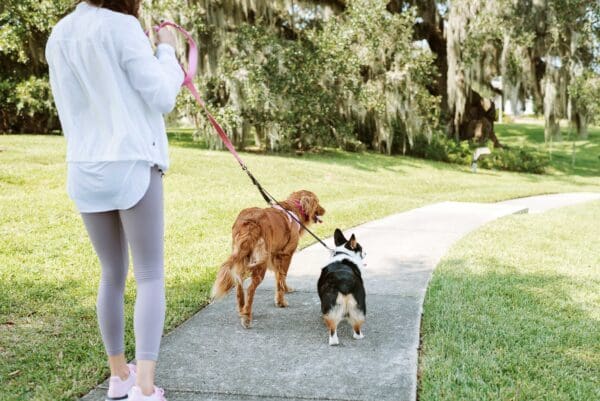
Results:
x,y
110,89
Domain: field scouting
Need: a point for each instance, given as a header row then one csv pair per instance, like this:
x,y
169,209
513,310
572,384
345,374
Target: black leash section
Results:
x,y
260,188
270,199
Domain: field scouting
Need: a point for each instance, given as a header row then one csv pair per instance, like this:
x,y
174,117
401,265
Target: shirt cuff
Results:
x,y
164,49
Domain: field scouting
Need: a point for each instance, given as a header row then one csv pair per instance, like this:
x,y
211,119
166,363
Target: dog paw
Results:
x,y
358,336
282,304
246,322
334,340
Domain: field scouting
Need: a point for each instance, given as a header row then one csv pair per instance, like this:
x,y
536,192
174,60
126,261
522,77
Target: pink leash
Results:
x,y
188,83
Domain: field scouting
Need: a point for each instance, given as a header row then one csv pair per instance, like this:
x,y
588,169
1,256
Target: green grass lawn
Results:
x,y
586,161
50,347
513,312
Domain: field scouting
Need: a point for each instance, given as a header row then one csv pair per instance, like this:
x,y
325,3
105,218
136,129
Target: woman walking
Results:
x,y
111,90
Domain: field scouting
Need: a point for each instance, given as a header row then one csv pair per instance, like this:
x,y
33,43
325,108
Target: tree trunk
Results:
x,y
432,30
551,108
582,125
478,121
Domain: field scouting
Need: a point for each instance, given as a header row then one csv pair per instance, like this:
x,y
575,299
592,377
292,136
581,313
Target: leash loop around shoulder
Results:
x,y
188,82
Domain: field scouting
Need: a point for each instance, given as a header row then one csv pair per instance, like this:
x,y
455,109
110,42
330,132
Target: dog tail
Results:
x,y
224,281
232,271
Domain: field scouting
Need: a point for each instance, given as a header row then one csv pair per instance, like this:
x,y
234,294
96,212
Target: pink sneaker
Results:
x,y
135,394
117,388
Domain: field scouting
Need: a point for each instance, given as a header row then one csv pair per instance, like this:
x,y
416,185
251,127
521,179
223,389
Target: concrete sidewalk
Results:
x,y
286,356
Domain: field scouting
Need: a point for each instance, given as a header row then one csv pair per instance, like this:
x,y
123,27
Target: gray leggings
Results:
x,y
142,226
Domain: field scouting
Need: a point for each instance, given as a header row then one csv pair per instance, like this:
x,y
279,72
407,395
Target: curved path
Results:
x,y
286,356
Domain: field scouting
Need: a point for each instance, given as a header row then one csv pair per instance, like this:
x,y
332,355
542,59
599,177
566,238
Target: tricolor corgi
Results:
x,y
341,287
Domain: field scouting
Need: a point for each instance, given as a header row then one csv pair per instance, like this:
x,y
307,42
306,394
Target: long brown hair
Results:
x,y
131,7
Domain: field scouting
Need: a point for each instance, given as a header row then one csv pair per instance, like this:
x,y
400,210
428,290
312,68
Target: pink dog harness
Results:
x,y
287,213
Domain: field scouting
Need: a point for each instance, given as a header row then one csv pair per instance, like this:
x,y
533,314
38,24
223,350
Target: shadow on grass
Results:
x,y
364,161
587,162
185,139
505,334
533,134
587,152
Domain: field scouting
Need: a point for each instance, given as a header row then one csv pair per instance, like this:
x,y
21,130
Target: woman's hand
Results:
x,y
165,35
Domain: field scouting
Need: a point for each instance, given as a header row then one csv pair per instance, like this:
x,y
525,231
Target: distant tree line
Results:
x,y
377,74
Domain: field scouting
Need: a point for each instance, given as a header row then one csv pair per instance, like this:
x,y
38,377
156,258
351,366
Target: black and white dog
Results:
x,y
341,287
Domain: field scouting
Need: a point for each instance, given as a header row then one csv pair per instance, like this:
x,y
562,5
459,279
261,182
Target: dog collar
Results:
x,y
343,252
340,255
304,214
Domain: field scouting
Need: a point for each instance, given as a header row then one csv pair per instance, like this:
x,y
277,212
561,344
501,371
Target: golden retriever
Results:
x,y
265,239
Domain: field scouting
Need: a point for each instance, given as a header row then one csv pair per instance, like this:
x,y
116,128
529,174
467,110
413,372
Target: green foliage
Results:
x,y
394,101
585,94
281,88
525,160
354,79
24,90
442,148
483,29
33,96
358,72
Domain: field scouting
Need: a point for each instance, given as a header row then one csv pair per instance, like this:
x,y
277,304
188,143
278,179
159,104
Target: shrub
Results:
x,y
442,148
525,160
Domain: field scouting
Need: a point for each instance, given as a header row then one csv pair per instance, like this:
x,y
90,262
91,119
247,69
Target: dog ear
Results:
x,y
307,204
338,237
353,242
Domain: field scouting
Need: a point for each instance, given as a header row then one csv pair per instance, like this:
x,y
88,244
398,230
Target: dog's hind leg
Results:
x,y
358,334
281,265
238,279
280,290
240,297
286,260
258,274
331,321
357,319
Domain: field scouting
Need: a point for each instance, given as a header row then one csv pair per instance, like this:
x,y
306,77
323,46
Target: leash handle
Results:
x,y
192,54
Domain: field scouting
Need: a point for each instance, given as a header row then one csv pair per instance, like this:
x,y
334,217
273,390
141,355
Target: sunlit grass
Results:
x,y
513,312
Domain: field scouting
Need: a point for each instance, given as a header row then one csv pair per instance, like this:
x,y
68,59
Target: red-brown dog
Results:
x,y
265,239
